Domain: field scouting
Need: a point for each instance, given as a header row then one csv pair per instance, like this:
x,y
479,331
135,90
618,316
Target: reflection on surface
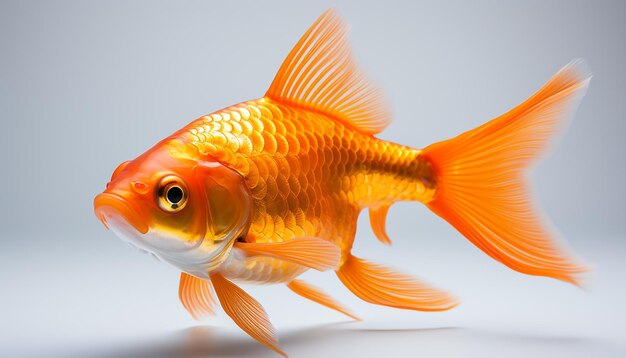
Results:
x,y
128,313
337,338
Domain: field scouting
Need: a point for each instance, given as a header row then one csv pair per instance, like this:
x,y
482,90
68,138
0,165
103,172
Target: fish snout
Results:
x,y
110,208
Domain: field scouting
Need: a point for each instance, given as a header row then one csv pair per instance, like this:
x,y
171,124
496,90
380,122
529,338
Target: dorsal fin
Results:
x,y
320,74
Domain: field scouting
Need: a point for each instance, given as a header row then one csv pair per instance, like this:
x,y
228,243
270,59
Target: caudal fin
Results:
x,y
481,181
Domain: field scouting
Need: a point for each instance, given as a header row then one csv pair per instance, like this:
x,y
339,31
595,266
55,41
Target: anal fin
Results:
x,y
383,286
314,294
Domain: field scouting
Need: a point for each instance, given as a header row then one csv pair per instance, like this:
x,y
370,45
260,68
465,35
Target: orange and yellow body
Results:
x,y
308,174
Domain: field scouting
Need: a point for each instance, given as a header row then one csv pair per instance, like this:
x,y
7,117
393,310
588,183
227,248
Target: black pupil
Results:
x,y
174,195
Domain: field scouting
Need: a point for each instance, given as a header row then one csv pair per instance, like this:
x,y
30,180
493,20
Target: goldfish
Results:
x,y
264,190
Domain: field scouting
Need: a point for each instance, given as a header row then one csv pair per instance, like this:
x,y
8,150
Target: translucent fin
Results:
x,y
196,295
320,74
378,218
246,312
382,286
312,252
314,294
481,182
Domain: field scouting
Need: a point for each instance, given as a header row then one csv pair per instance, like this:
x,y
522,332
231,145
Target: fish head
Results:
x,y
185,211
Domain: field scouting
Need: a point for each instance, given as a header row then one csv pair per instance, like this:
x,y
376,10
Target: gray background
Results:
x,y
86,85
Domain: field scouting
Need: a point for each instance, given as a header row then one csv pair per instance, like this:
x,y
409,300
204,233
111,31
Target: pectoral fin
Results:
x,y
196,295
246,312
312,252
314,294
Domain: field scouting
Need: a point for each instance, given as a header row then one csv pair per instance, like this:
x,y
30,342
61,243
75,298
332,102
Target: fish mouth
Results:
x,y
113,209
126,222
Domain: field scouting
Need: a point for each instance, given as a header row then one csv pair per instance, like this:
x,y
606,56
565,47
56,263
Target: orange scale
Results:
x,y
294,185
272,189
303,142
294,164
279,127
271,168
269,126
236,114
291,126
283,185
293,202
275,111
282,146
245,145
253,177
282,165
259,192
269,143
257,140
293,144
227,127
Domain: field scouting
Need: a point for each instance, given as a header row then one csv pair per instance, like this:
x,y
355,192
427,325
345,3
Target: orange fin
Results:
x,y
246,312
320,74
382,286
378,217
308,251
196,295
314,294
481,181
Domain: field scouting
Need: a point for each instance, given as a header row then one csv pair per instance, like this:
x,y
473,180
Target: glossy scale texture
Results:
x,y
309,174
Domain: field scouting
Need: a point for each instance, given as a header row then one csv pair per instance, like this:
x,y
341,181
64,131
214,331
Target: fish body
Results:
x,y
309,174
266,189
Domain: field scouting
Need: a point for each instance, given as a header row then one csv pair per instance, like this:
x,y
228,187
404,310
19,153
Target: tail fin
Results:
x,y
481,182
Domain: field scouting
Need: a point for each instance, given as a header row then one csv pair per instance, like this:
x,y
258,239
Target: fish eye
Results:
x,y
172,194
